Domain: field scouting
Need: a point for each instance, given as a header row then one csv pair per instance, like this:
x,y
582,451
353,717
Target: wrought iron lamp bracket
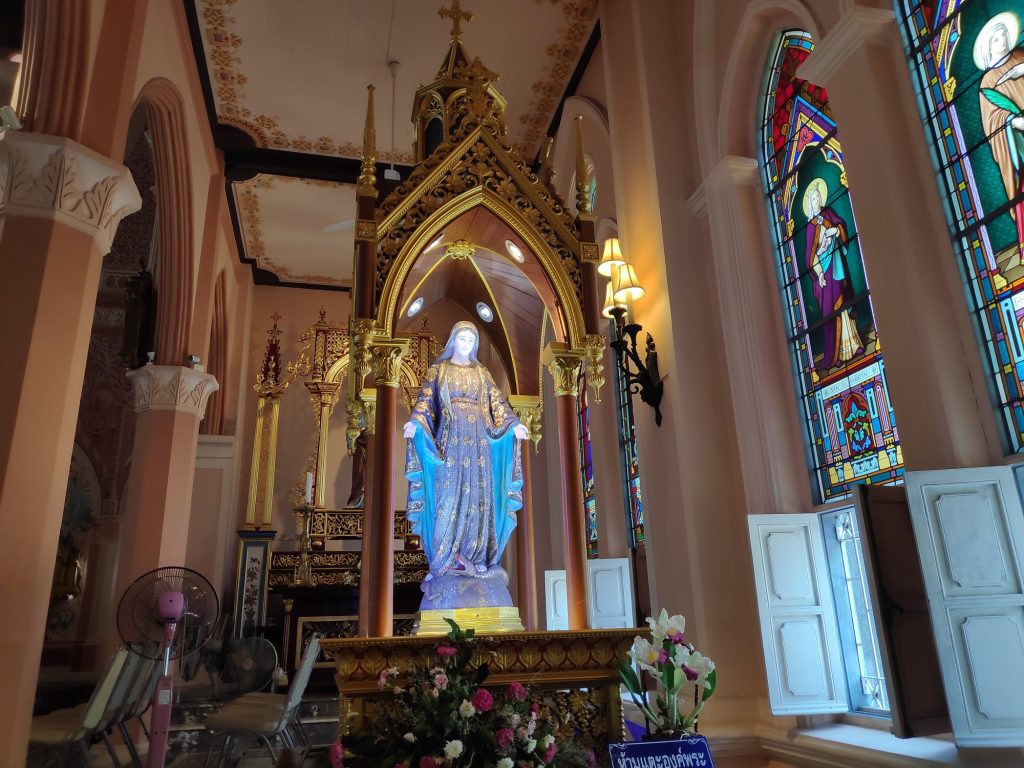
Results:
x,y
646,380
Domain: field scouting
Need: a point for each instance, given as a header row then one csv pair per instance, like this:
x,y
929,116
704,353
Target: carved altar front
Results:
x,y
575,672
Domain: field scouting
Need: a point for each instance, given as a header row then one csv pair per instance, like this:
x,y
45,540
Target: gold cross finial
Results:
x,y
457,15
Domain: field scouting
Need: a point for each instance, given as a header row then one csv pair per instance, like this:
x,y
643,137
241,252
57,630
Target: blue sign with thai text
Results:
x,y
687,752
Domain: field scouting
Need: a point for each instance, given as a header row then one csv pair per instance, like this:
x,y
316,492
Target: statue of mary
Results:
x,y
464,469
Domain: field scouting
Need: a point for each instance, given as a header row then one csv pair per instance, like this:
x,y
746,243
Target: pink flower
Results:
x,y
482,700
441,681
382,679
516,691
531,727
505,737
397,690
428,762
662,656
591,758
691,674
521,733
676,638
336,754
549,754
445,651
535,708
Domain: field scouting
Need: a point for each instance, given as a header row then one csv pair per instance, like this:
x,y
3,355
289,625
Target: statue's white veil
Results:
x,y
449,348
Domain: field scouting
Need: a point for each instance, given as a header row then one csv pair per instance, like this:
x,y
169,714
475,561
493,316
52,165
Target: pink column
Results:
x,y
169,402
53,245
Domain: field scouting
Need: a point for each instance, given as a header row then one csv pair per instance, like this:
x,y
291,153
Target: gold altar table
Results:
x,y
574,671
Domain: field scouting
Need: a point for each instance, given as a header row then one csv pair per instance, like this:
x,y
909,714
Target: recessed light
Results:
x,y
514,251
415,307
484,311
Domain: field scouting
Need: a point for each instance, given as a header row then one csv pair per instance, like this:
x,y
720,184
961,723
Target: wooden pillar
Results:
x,y
387,356
366,581
564,365
529,409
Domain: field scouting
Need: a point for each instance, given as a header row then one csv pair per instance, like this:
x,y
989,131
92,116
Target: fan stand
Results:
x,y
172,608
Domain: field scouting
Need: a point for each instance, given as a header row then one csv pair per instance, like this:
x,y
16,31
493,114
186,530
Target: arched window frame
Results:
x,y
939,38
844,447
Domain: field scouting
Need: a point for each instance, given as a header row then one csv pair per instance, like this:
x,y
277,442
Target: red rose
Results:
x,y
482,700
445,651
505,737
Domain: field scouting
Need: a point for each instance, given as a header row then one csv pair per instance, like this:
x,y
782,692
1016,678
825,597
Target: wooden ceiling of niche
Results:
x,y
520,305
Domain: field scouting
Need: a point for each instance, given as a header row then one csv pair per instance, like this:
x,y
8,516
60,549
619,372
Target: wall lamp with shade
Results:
x,y
641,376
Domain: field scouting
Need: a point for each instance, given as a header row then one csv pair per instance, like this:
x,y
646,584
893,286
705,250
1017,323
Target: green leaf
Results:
x,y
712,682
1002,101
629,677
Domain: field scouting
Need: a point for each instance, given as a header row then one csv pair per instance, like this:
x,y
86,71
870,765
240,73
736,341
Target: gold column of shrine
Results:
x,y
269,386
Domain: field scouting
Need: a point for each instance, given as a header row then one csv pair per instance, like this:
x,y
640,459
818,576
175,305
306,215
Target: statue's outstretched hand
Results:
x,y
409,430
521,432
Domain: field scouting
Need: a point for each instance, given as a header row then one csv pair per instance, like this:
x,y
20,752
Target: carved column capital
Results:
x,y
594,345
171,388
564,365
387,360
529,409
53,177
361,331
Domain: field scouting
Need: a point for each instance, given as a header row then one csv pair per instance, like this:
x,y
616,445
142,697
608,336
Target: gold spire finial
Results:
x,y
457,15
583,204
368,171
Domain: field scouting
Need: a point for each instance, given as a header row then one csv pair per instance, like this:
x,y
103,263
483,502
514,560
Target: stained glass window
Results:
x,y
587,468
850,425
967,59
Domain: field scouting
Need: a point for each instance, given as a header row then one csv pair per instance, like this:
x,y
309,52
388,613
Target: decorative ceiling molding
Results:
x,y
251,225
580,17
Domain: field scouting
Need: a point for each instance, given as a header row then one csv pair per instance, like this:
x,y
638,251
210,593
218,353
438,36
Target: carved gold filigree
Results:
x,y
366,230
590,253
564,365
529,409
387,360
472,168
367,184
594,348
459,250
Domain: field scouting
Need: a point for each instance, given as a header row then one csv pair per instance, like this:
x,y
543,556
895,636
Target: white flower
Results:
x,y
702,665
466,709
505,762
453,749
547,741
666,626
645,654
531,744
410,737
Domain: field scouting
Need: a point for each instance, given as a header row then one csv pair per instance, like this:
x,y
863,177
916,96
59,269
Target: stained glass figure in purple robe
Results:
x,y
464,468
825,251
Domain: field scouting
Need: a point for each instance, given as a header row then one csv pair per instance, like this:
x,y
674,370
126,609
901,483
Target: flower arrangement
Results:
x,y
674,664
444,717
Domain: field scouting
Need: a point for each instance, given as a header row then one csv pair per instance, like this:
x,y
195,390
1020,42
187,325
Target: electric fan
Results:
x,y
170,610
250,664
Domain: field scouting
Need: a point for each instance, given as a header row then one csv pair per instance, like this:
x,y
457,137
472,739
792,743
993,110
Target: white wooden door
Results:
x,y
556,611
969,527
802,650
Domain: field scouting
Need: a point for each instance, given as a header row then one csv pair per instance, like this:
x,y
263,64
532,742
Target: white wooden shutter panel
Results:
x,y
610,603
802,653
556,610
969,527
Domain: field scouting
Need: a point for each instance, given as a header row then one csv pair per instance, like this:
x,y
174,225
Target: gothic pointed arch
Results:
x,y
175,269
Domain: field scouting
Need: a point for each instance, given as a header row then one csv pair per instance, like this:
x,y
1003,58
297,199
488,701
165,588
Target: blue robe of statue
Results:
x,y
465,485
